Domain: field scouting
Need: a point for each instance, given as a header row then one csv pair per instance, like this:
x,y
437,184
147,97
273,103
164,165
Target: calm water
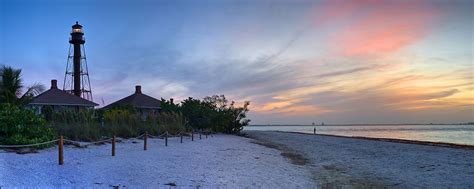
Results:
x,y
457,134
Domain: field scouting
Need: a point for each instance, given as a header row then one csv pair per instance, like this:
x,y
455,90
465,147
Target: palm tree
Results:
x,y
11,87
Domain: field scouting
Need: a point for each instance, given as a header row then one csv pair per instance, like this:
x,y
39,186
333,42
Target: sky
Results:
x,y
297,62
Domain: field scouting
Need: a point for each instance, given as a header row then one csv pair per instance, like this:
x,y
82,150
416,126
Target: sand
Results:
x,y
263,159
359,163
222,161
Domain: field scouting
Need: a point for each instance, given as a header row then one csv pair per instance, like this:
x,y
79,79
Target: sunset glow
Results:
x,y
362,61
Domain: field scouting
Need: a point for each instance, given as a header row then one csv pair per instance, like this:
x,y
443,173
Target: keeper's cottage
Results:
x,y
57,99
142,102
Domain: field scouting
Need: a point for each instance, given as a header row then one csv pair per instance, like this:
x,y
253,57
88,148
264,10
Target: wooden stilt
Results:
x,y
166,138
113,145
145,138
61,150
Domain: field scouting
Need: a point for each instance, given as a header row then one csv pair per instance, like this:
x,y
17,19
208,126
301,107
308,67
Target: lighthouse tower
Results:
x,y
76,78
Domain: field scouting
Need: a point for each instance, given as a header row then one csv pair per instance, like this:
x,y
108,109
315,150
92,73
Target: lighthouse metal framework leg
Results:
x,y
68,85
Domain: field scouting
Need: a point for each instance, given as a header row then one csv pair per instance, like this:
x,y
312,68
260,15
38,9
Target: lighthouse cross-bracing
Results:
x,y
76,78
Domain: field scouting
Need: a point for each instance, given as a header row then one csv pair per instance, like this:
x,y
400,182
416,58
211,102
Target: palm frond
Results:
x,y
31,92
11,84
34,90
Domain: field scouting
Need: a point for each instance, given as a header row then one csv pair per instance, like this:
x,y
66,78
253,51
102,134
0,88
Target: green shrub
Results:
x,y
93,125
22,126
171,121
75,125
18,126
216,113
126,123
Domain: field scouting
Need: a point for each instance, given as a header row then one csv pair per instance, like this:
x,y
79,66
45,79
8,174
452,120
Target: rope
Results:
x,y
159,136
27,145
138,137
72,141
100,141
96,142
176,135
78,143
162,134
87,144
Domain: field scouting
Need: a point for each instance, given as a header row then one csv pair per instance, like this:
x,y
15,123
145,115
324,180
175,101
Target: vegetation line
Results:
x,y
21,124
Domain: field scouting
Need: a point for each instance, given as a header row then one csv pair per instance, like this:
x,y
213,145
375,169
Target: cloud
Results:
x,y
344,72
351,64
346,76
373,27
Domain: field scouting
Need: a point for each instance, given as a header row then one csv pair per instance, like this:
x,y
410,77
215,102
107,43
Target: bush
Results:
x,y
122,122
75,125
171,121
22,126
216,113
125,122
130,123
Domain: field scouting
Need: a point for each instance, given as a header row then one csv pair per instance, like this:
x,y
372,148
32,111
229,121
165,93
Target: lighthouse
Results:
x,y
76,78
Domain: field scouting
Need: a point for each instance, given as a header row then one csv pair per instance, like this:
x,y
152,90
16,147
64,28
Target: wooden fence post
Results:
x,y
200,134
192,135
181,135
113,145
61,150
145,141
166,138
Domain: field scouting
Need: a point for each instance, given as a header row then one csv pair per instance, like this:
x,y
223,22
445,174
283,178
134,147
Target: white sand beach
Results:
x,y
265,160
223,161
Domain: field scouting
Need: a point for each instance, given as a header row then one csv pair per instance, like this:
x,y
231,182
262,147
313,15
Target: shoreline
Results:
x,y
367,124
403,141
348,162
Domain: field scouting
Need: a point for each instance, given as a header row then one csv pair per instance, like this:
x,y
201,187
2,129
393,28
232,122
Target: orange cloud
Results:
x,y
289,107
276,105
303,110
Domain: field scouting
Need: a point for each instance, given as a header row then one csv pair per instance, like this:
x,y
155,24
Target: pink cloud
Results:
x,y
372,27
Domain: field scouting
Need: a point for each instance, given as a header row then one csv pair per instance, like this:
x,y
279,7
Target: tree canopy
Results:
x,y
213,112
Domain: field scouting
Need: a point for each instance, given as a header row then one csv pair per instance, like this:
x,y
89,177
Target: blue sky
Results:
x,y
364,61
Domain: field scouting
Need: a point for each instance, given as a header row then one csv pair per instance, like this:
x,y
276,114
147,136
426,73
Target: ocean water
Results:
x,y
456,134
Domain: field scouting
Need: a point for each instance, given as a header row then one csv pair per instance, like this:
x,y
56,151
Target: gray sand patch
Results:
x,y
341,162
332,176
294,158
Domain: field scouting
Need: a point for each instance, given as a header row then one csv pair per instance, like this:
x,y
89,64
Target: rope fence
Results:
x,y
28,145
61,141
81,144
